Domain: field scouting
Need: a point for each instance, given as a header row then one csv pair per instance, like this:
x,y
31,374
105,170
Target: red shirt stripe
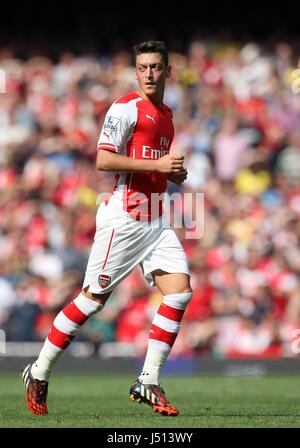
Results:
x,y
107,148
108,250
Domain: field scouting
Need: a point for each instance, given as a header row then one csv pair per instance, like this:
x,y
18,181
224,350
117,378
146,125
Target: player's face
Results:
x,y
151,74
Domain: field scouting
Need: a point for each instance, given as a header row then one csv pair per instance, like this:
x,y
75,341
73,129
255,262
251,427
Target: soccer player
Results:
x,y
131,230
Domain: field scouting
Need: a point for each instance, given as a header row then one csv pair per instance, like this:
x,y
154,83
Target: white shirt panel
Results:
x,y
118,126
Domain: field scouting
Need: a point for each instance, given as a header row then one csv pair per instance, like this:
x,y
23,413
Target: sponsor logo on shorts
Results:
x,y
104,280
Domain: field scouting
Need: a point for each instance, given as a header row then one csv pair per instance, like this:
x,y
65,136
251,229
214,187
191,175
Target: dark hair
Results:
x,y
152,46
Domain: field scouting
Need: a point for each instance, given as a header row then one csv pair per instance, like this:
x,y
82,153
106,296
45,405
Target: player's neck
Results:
x,y
156,100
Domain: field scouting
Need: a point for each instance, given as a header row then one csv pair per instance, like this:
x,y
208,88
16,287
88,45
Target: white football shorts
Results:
x,y
121,243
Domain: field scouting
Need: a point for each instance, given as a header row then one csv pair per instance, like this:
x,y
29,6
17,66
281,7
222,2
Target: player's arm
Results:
x,y
111,161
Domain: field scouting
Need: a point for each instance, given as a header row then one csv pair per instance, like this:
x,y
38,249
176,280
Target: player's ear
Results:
x,y
168,71
135,74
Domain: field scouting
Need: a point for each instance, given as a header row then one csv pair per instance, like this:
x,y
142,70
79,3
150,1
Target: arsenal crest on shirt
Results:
x,y
104,280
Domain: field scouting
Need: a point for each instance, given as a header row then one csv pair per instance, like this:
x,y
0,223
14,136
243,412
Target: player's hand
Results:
x,y
178,178
171,163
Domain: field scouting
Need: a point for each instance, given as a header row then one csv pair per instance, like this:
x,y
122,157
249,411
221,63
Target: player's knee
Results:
x,y
187,290
183,299
182,285
185,294
179,300
185,287
184,290
99,298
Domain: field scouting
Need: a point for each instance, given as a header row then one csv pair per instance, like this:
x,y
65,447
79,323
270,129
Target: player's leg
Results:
x,y
65,327
177,293
63,330
167,268
96,290
118,247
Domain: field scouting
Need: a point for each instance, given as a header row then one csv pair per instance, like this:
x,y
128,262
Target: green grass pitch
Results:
x,y
90,401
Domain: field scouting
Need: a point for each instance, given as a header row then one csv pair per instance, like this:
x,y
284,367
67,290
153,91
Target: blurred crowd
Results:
x,y
237,119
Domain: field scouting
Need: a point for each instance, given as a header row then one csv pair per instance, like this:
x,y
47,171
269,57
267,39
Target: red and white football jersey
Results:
x,y
138,129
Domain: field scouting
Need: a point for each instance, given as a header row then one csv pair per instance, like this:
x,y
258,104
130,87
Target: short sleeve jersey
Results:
x,y
136,128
